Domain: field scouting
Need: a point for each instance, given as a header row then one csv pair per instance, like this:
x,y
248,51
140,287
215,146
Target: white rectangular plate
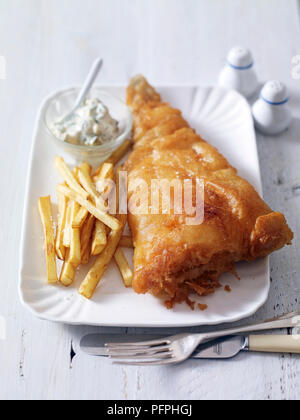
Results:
x,y
223,119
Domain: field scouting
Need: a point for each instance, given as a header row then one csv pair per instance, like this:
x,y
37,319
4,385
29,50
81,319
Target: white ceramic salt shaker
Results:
x,y
238,73
270,112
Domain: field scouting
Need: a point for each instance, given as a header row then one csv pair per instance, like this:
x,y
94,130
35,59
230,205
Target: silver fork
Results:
x,y
179,347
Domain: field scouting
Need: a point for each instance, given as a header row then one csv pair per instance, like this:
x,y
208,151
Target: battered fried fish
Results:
x,y
171,255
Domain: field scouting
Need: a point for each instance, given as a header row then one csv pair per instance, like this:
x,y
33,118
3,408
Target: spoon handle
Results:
x,y
89,82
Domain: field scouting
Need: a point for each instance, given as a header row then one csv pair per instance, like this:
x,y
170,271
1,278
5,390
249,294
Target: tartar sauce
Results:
x,y
90,125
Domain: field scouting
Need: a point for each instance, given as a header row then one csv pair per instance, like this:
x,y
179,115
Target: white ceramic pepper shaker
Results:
x,y
238,73
270,112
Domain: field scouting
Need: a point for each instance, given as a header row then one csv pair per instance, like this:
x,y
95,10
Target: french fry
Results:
x,y
75,172
126,242
107,219
87,183
86,168
123,267
105,171
82,213
99,238
120,152
46,217
103,181
80,218
62,212
75,250
67,229
95,274
69,177
67,275
85,239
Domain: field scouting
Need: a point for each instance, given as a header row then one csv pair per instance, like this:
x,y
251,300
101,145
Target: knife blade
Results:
x,y
94,345
222,348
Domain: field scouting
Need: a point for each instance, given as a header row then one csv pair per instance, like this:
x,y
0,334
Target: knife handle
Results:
x,y
275,343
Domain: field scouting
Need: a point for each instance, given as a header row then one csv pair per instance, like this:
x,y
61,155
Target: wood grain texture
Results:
x,y
49,44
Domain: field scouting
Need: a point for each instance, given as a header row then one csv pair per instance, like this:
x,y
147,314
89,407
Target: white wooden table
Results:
x,y
48,44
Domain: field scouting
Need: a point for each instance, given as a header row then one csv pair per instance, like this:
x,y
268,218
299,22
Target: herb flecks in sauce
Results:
x,y
90,125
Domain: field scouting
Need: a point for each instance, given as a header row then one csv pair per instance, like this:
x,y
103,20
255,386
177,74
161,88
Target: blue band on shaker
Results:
x,y
240,67
274,103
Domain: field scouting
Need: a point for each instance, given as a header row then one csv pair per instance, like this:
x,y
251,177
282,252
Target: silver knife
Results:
x,y
94,344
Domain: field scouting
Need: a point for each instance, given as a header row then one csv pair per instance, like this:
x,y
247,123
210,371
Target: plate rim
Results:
x,y
57,320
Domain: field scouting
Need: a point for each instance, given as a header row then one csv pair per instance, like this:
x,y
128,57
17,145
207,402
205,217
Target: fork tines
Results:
x,y
153,352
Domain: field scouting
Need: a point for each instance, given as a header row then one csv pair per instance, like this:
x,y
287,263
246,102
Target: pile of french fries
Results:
x,y
84,228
